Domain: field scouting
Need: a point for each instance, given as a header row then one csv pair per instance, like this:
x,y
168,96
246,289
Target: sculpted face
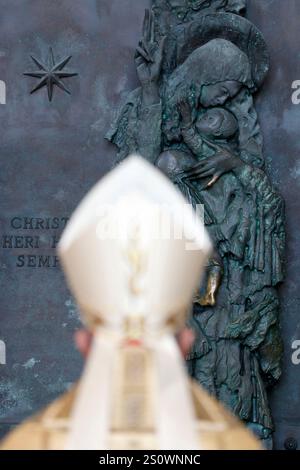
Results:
x,y
210,123
218,94
217,122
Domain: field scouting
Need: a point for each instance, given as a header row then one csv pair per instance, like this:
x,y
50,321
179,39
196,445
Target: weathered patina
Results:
x,y
199,64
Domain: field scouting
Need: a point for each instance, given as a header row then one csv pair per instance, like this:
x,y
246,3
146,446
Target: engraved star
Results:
x,y
50,74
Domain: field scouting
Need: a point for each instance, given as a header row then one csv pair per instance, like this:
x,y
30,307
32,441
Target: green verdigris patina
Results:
x,y
199,64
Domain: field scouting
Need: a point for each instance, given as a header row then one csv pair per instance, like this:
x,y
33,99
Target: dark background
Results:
x,y
52,153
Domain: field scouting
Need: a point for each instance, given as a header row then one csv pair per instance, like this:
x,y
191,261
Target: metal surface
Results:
x,y
198,120
52,153
51,73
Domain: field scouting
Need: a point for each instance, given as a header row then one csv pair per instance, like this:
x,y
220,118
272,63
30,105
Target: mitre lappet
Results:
x,y
133,253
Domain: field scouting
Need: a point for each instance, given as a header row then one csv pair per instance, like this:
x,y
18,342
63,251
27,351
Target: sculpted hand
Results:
x,y
214,167
148,56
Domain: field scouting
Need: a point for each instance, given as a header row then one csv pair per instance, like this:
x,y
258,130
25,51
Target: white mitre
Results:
x,y
133,253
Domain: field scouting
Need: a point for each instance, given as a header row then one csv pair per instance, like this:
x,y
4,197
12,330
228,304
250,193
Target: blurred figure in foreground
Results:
x,y
133,254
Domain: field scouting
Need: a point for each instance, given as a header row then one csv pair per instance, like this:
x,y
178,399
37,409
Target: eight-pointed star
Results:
x,y
50,74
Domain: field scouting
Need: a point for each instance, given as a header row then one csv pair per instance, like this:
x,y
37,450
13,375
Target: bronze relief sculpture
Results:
x,y
51,74
199,64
